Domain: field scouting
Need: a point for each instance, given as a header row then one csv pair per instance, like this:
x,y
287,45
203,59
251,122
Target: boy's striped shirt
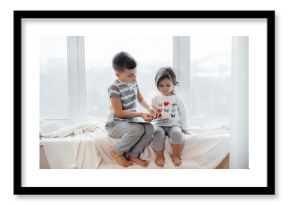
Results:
x,y
127,92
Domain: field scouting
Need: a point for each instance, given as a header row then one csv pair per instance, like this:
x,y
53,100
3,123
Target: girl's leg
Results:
x,y
158,146
176,136
141,145
159,161
176,153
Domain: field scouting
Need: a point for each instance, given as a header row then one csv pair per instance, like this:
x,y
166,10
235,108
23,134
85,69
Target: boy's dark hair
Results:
x,y
165,73
123,60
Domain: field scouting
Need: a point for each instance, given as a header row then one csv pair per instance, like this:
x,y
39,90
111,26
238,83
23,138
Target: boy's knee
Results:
x,y
149,129
136,128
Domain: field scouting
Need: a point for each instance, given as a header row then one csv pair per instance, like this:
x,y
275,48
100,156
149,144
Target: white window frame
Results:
x,y
76,78
181,66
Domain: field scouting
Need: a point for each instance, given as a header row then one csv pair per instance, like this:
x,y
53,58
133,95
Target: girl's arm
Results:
x,y
120,113
183,117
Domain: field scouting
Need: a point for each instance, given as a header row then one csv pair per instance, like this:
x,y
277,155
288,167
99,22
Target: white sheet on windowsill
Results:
x,y
56,130
205,148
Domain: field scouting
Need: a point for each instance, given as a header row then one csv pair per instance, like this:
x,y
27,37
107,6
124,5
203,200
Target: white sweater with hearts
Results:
x,y
171,110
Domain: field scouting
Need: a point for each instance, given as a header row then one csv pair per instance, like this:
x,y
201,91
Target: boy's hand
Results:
x,y
147,116
153,112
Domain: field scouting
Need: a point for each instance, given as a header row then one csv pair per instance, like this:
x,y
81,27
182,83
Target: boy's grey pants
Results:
x,y
134,137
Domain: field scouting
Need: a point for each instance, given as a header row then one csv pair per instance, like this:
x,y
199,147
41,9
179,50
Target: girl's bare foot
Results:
x,y
121,160
139,161
176,160
176,152
159,158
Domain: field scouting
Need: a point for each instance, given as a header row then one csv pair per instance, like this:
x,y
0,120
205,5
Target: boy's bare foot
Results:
x,y
160,161
141,162
121,160
176,160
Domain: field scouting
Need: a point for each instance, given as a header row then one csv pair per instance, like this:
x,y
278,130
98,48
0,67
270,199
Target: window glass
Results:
x,y
150,53
54,103
210,76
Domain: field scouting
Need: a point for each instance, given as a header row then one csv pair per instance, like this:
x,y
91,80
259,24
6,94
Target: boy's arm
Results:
x,y
120,113
142,101
144,104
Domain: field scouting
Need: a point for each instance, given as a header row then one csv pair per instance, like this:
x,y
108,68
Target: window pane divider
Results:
x,y
76,78
181,66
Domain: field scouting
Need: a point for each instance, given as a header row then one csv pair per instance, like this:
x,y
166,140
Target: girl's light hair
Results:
x,y
165,73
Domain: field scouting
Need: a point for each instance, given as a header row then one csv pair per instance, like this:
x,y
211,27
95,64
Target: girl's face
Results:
x,y
165,86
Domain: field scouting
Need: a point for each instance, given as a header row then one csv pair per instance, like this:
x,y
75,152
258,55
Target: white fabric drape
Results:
x,y
239,146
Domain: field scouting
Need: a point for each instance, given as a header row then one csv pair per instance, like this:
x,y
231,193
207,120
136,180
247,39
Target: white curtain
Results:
x,y
239,149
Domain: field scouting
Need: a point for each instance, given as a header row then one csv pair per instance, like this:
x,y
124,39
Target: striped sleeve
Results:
x,y
114,91
138,91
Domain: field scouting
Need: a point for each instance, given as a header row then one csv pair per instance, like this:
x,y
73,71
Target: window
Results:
x,y
54,95
151,53
210,77
76,72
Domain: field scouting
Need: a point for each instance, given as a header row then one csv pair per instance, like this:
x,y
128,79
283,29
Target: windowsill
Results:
x,y
199,121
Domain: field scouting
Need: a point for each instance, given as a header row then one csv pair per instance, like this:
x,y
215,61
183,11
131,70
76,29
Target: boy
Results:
x,y
123,93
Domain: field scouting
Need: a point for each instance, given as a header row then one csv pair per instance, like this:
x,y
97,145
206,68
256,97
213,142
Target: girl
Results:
x,y
171,118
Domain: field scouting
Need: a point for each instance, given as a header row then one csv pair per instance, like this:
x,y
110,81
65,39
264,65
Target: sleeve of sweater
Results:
x,y
182,113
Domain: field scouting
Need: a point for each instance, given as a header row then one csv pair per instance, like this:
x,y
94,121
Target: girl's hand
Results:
x,y
158,115
153,112
187,132
147,116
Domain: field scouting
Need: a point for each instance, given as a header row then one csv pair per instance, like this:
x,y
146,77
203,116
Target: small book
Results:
x,y
137,119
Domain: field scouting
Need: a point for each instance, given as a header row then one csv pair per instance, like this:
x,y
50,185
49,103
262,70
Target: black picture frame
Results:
x,y
19,189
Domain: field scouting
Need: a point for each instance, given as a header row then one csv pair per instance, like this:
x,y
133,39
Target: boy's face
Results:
x,y
127,76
